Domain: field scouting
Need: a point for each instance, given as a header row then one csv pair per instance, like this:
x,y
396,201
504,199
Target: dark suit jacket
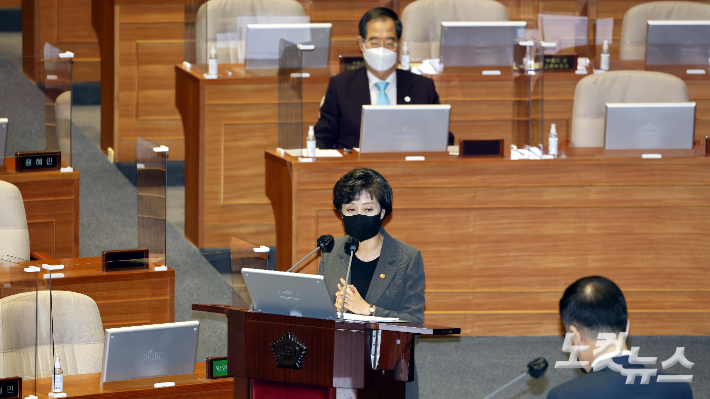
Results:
x,y
400,293
609,384
341,113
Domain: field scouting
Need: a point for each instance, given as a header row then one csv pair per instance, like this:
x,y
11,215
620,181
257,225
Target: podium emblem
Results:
x,y
289,352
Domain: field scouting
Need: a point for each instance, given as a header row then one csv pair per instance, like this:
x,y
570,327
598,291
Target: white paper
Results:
x,y
372,319
319,153
605,30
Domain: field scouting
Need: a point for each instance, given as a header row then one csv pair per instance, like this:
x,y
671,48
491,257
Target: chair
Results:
x,y
594,91
633,28
14,236
421,21
220,16
78,334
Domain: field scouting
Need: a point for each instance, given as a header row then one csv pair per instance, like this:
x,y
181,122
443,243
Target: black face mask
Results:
x,y
362,227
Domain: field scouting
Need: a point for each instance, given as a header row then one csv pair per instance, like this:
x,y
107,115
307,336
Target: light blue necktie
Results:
x,y
382,96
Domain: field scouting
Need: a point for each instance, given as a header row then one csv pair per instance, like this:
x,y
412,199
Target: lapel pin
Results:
x,y
382,276
407,99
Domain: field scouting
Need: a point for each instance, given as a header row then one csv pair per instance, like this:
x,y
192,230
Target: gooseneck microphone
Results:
x,y
325,244
351,246
536,369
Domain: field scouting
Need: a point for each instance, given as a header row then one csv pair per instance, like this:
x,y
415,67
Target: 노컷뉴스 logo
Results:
x,y
152,356
606,341
289,352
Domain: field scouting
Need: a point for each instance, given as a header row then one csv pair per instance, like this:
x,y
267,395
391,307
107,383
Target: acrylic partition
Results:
x,y
491,75
36,116
26,339
222,24
244,254
151,185
290,75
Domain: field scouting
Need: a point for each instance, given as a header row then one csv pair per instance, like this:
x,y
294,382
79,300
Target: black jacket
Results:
x,y
341,112
609,384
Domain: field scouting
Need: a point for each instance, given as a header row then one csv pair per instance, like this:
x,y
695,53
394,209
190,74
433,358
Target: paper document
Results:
x,y
372,319
319,153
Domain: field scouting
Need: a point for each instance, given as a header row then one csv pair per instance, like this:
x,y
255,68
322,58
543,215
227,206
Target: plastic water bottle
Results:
x,y
552,141
57,377
604,64
212,62
404,58
311,143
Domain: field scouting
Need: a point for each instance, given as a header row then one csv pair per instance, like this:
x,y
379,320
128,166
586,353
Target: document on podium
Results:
x,y
371,319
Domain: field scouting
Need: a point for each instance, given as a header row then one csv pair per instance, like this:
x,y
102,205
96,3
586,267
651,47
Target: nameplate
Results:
x,y
560,63
38,160
11,387
216,367
129,259
481,148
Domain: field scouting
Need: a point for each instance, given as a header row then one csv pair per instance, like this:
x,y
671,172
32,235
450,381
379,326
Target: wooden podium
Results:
x,y
268,354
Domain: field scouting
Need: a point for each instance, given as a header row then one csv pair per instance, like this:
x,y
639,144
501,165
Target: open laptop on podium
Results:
x,y
295,294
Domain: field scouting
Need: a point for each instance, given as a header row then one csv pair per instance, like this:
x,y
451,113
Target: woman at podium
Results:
x,y
387,275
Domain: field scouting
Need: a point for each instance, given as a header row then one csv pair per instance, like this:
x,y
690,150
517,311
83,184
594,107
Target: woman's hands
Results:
x,y
353,301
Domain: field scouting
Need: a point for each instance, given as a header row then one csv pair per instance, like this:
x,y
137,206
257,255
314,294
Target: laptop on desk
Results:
x,y
404,128
295,294
649,126
153,350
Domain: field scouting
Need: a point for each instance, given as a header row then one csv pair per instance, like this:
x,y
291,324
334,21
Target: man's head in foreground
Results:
x,y
593,305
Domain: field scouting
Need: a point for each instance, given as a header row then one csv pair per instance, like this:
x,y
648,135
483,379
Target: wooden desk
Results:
x,y
140,41
51,201
230,121
87,386
502,239
124,298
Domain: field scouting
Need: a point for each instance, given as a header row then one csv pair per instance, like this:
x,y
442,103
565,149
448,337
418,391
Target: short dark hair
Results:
x,y
595,304
362,180
380,13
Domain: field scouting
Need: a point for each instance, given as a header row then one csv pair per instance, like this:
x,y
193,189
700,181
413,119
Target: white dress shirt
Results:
x,y
609,356
391,89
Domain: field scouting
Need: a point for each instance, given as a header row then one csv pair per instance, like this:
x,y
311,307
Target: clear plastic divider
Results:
x,y
25,323
151,185
38,113
290,98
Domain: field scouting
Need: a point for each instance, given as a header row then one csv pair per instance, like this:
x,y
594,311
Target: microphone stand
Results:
x,y
536,369
301,261
345,286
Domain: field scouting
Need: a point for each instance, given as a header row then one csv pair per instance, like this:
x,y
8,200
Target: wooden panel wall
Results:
x,y
10,3
502,239
65,24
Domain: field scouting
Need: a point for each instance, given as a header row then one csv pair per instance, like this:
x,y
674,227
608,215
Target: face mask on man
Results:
x,y
362,227
380,59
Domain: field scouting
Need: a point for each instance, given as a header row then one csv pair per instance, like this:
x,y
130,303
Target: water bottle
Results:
x,y
311,143
212,62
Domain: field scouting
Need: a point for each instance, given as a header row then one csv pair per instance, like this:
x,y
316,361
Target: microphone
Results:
x,y
351,246
325,244
536,369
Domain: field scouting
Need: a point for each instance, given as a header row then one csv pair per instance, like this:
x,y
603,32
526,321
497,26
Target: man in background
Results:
x,y
378,83
594,305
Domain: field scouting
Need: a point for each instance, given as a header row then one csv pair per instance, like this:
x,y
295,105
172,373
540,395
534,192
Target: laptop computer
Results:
x,y
153,350
646,126
480,43
404,128
292,294
678,43
263,41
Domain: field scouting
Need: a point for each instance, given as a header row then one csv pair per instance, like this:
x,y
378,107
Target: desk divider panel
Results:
x,y
39,112
26,346
151,185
